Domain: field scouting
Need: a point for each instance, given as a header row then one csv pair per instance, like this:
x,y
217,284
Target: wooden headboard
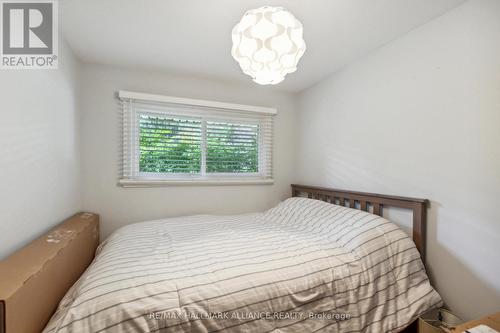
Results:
x,y
373,203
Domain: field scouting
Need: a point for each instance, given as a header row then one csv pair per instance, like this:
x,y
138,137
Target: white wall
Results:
x,y
100,145
39,150
421,117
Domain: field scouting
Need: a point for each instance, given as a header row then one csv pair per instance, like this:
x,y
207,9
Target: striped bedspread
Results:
x,y
302,266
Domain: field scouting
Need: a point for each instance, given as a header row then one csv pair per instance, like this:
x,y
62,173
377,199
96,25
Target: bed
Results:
x,y
310,264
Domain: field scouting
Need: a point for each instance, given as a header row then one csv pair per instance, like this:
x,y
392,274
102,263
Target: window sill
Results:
x,y
197,182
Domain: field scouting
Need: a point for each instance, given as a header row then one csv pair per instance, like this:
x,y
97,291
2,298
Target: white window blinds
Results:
x,y
169,144
170,140
232,147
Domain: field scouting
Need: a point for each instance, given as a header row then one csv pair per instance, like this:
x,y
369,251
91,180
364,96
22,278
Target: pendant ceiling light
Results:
x,y
268,43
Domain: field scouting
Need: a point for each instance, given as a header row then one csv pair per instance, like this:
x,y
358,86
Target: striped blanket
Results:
x,y
302,266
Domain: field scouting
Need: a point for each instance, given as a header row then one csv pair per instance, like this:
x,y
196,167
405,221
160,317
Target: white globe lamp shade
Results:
x,y
268,44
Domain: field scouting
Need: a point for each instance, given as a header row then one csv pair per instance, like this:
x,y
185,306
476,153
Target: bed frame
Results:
x,y
37,311
373,203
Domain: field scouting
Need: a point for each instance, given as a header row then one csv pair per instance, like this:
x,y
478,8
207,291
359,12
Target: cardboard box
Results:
x,y
433,320
34,279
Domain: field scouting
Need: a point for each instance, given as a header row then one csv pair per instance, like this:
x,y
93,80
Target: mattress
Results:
x,y
302,266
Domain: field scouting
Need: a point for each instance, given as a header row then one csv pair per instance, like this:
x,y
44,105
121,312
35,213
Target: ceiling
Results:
x,y
193,37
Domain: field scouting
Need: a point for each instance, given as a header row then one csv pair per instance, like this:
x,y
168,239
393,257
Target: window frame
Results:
x,y
150,179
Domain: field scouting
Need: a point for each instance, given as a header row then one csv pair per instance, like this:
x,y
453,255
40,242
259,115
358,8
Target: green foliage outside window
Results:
x,y
232,148
170,145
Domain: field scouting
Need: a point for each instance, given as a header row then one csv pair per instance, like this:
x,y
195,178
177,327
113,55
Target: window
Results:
x,y
169,140
169,145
